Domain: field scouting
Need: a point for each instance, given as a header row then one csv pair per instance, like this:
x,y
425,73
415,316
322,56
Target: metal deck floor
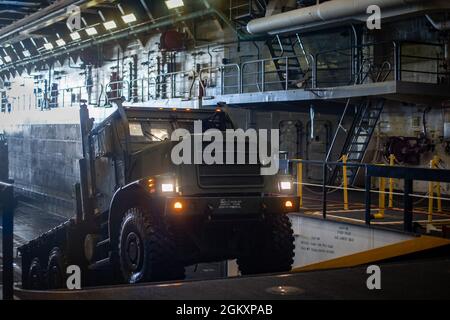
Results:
x,y
393,218
423,279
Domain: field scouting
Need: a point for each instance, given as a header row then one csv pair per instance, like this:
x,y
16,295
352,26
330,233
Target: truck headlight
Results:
x,y
167,187
285,185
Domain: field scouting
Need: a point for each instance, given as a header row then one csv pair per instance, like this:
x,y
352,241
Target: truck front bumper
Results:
x,y
220,206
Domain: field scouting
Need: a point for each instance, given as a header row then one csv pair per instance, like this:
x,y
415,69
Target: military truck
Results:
x,y
139,217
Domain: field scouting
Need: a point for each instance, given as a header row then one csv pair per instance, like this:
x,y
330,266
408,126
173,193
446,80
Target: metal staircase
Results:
x,y
286,59
242,11
358,135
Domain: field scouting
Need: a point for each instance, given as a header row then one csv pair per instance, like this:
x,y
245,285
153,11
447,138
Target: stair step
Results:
x,y
283,61
243,16
291,63
286,51
102,243
100,264
290,66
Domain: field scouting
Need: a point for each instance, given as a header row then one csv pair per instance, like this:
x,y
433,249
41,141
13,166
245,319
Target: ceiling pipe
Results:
x,y
327,12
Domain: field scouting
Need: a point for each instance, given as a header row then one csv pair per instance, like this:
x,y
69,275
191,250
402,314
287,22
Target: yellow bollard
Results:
x,y
345,178
300,182
381,199
430,195
391,183
438,186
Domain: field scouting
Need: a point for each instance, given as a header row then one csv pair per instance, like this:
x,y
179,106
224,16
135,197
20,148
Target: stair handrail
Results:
x,y
262,61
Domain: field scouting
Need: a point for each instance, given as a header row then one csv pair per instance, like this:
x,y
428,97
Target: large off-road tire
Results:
x,y
35,279
147,251
268,249
56,272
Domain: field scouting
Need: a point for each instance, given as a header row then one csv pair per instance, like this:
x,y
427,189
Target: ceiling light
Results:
x,y
172,4
26,53
7,59
91,31
129,18
48,46
110,25
60,42
75,36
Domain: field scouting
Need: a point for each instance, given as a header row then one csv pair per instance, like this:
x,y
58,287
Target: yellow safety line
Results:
x,y
390,251
361,221
418,221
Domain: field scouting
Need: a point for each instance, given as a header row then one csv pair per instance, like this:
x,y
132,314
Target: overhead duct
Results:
x,y
336,10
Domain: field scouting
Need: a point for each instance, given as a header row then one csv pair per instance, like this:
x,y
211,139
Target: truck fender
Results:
x,y
124,198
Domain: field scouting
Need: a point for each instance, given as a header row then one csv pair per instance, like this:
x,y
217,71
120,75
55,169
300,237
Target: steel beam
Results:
x,y
20,3
44,17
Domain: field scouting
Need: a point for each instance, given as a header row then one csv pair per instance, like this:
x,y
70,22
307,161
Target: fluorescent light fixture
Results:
x,y
110,25
172,4
91,31
60,42
26,53
75,36
7,59
48,46
129,18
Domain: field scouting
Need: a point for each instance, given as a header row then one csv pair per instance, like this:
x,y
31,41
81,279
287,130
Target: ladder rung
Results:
x,y
246,16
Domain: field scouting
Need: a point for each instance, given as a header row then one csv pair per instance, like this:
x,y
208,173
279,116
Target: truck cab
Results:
x,y
145,218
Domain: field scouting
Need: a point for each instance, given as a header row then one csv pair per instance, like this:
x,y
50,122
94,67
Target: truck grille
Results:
x,y
232,175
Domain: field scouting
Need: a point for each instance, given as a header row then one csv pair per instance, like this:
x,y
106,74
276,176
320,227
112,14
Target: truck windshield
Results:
x,y
147,131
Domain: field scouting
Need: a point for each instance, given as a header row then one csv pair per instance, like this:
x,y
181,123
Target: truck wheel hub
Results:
x,y
133,246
